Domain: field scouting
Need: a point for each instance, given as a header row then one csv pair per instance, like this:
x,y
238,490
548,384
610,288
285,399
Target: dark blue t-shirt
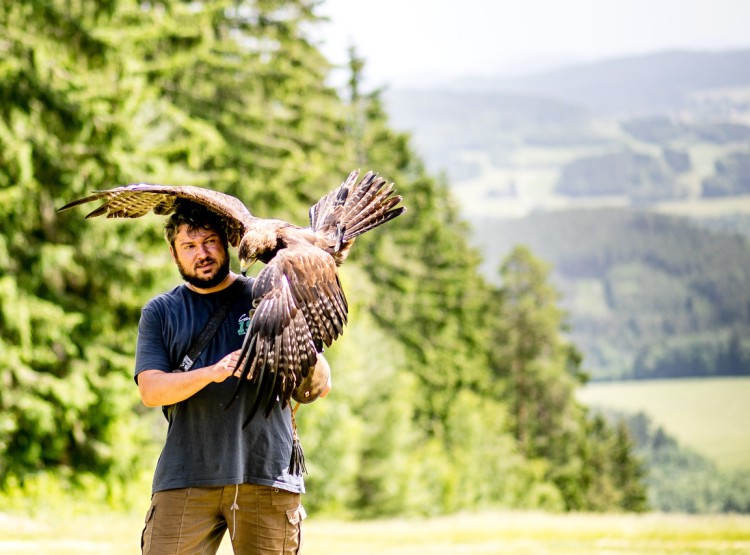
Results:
x,y
206,444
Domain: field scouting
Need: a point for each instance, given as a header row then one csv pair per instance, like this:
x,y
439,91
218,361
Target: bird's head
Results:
x,y
260,242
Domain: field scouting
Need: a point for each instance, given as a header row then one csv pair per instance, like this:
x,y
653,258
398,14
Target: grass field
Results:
x,y
710,415
484,534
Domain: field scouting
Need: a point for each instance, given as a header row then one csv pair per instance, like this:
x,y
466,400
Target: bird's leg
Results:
x,y
340,232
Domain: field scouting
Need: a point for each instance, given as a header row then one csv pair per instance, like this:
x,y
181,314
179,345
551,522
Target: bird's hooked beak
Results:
x,y
245,266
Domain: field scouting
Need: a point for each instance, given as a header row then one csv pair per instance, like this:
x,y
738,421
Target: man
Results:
x,y
212,474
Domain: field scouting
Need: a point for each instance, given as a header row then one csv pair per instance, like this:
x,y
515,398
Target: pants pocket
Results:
x,y
293,540
296,515
148,531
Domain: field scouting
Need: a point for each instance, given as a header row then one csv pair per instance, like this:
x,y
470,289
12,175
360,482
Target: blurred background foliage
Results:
x,y
449,393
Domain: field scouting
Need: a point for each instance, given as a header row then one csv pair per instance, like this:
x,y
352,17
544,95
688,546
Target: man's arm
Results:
x,y
159,389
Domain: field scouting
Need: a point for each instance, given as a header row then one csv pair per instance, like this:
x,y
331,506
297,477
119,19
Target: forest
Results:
x,y
650,295
451,393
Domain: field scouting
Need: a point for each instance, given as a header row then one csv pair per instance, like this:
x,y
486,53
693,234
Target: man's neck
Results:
x,y
226,282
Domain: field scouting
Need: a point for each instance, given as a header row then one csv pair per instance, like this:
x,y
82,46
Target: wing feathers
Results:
x,y
301,309
134,201
351,210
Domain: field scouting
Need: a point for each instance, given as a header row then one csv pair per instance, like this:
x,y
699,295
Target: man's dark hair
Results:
x,y
196,217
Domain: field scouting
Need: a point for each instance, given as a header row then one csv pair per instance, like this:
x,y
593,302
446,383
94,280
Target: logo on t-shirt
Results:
x,y
244,323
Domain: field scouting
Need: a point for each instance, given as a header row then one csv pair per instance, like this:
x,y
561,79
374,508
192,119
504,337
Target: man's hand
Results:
x,y
226,367
329,384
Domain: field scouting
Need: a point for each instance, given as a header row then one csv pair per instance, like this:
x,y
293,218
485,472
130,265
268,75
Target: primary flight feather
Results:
x,y
299,304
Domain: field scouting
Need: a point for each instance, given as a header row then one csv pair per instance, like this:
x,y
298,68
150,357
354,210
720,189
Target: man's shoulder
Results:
x,y
176,293
174,297
246,283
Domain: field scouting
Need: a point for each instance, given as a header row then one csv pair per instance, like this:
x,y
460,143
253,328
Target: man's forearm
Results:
x,y
159,389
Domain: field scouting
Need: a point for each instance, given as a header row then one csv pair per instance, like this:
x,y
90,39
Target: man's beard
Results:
x,y
205,283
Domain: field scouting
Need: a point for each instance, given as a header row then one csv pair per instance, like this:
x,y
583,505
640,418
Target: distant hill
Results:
x,y
673,126
448,125
655,83
649,295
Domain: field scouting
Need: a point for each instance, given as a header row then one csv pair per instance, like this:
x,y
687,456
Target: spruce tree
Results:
x,y
66,288
539,370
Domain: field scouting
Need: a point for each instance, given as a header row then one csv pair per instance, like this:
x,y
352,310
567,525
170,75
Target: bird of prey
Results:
x,y
299,305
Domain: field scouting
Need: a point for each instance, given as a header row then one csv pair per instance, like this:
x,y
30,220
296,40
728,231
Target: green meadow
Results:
x,y
709,415
483,534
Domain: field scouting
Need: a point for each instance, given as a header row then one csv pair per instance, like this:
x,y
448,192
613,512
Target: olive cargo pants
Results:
x,y
261,521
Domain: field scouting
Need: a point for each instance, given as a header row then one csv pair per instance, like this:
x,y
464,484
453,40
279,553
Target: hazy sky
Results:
x,y
405,41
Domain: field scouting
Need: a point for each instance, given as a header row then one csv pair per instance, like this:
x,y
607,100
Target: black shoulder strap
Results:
x,y
208,331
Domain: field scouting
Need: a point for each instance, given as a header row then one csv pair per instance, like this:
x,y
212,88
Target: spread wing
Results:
x,y
300,307
134,201
351,209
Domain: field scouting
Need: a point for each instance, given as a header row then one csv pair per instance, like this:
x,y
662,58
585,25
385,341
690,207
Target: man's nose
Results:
x,y
202,251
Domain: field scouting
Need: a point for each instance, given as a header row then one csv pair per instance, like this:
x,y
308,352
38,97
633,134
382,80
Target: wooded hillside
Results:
x,y
649,295
544,160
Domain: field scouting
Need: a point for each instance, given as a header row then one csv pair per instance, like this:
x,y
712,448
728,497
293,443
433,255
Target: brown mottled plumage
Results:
x,y
300,306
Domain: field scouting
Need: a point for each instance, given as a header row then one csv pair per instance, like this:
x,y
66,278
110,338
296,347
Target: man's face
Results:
x,y
200,256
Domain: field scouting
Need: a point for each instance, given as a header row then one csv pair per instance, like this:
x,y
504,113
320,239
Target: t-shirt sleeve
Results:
x,y
150,351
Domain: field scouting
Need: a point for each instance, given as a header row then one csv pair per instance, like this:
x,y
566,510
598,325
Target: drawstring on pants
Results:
x,y
234,508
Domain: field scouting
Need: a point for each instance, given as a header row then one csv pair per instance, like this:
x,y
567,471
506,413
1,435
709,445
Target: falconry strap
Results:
x,y
297,459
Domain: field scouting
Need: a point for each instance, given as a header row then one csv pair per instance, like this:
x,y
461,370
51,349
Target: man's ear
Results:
x,y
171,251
